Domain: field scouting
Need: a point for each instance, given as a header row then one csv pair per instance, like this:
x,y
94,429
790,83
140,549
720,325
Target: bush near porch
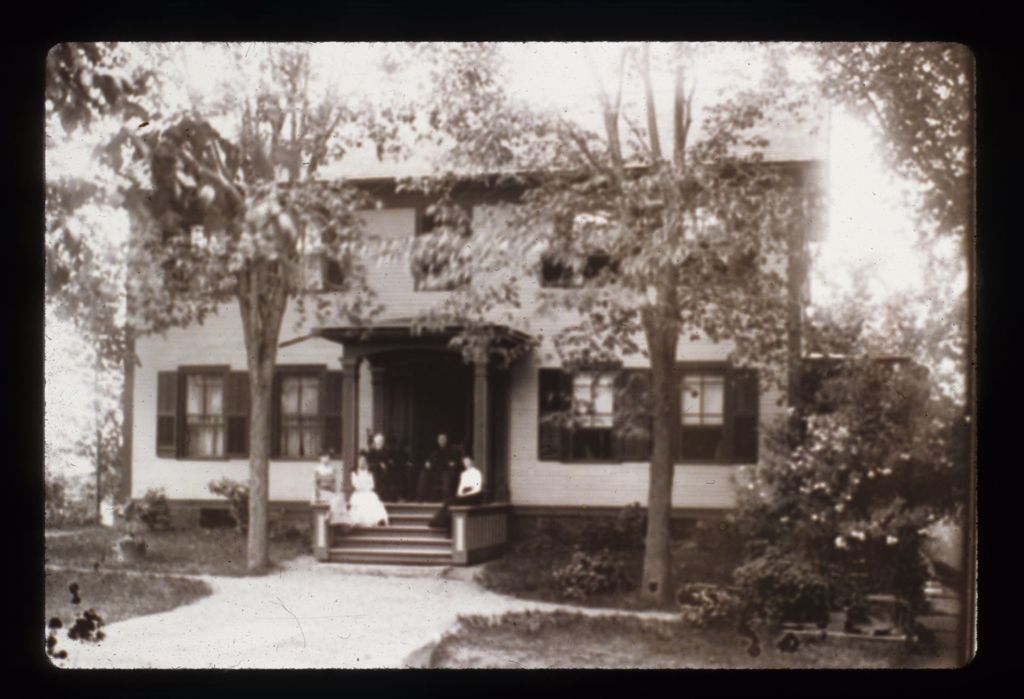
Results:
x,y
599,563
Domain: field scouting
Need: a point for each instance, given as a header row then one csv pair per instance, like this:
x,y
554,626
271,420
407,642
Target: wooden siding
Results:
x,y
219,342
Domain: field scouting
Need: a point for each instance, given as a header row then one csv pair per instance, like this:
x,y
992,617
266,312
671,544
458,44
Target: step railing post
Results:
x,y
321,530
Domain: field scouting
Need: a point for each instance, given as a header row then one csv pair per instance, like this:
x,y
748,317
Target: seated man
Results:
x,y
469,492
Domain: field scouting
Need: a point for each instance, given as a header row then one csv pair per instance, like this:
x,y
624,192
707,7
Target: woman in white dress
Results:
x,y
364,507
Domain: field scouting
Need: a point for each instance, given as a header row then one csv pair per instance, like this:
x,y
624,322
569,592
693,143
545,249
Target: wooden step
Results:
x,y
383,543
394,532
400,555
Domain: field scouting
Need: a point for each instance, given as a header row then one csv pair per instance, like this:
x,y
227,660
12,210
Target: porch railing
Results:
x,y
479,532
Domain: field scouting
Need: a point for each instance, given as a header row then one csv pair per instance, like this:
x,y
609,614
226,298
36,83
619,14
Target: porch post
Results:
x,y
349,419
481,417
502,490
377,383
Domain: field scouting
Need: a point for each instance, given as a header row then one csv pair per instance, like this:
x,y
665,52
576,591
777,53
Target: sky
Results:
x,y
869,224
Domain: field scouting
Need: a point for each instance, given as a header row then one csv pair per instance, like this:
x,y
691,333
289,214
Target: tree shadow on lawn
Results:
x,y
192,551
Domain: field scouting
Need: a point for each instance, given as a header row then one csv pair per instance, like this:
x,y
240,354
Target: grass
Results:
x,y
117,595
193,551
538,640
526,572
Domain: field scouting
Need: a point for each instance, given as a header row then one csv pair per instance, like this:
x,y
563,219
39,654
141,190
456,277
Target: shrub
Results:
x,y
62,508
709,606
626,531
782,586
281,528
237,495
549,537
152,510
589,573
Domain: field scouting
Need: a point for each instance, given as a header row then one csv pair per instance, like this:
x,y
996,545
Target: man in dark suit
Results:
x,y
437,477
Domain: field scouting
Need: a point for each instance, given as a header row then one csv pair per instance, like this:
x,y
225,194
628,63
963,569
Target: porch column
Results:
x,y
377,381
349,419
502,411
481,417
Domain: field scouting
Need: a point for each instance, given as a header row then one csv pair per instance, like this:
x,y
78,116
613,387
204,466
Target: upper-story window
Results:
x,y
432,268
575,269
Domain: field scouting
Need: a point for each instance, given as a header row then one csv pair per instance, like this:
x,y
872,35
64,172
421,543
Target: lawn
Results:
x,y
194,551
537,640
117,595
526,571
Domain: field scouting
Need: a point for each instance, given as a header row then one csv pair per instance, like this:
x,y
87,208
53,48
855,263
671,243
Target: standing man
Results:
x,y
382,467
438,472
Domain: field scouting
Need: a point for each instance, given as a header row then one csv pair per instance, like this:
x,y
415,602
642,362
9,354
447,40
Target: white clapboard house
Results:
x,y
336,384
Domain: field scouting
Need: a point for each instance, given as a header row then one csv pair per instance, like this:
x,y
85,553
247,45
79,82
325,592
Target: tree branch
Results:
x,y
652,117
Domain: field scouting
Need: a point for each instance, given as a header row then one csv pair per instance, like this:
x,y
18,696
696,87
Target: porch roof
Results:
x,y
409,332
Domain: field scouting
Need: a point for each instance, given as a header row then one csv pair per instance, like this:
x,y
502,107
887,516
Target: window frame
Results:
x,y
597,373
180,437
721,369
282,371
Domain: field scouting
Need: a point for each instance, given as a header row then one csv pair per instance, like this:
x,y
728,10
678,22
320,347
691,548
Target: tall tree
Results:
x,y
696,230
227,209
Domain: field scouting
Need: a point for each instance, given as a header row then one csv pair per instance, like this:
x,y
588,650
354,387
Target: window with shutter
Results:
x,y
167,413
204,414
702,415
718,415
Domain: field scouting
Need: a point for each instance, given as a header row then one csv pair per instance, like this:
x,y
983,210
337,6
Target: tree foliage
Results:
x,y
693,226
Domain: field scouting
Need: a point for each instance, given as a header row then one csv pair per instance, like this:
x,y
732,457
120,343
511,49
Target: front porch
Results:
x,y
421,385
479,533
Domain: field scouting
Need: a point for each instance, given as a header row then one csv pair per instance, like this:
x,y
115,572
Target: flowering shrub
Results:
x,y
237,495
152,510
708,606
589,574
840,504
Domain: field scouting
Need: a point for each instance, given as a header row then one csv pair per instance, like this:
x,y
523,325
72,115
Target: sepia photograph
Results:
x,y
509,355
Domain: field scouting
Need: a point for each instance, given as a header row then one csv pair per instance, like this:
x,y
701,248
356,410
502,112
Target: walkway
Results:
x,y
308,615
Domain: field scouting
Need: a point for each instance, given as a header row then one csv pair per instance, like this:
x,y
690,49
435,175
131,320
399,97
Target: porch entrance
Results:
x,y
423,394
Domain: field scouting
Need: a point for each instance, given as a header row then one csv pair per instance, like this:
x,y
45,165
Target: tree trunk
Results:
x,y
262,301
261,378
662,340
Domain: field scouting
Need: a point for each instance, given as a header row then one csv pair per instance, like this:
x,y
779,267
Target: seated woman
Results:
x,y
365,508
469,492
328,489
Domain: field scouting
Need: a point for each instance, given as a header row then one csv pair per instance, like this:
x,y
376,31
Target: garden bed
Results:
x,y
527,571
538,640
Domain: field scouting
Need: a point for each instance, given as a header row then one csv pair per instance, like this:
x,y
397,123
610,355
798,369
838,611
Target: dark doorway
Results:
x,y
426,394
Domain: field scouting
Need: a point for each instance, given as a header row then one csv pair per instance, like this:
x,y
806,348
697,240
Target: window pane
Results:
x,y
194,395
604,401
214,395
310,396
289,396
714,400
690,400
702,443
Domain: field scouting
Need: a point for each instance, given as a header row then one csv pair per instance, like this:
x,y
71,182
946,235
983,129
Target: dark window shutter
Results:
x,y
633,420
275,415
744,396
331,402
236,410
553,399
167,413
